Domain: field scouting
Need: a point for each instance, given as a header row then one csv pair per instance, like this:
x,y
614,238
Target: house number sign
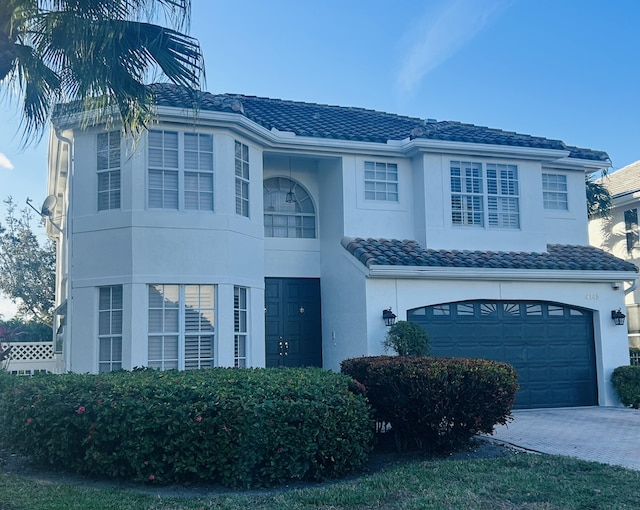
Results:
x,y
592,297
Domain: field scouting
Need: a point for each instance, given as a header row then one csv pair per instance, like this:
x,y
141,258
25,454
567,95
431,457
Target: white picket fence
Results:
x,y
28,358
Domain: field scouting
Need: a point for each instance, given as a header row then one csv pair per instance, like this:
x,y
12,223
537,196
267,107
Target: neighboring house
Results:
x,y
261,232
618,233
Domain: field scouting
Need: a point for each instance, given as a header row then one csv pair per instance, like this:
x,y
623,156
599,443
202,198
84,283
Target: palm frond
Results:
x,y
40,90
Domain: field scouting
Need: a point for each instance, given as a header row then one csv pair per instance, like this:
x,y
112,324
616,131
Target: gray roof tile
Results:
x,y
623,181
394,252
358,124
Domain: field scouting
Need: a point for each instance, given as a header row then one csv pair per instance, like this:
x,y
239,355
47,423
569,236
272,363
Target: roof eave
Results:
x,y
588,165
498,274
482,149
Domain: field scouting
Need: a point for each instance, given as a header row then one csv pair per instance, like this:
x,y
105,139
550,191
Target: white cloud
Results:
x,y
439,34
5,163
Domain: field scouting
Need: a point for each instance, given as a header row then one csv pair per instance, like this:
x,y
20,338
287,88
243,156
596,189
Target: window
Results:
x,y
110,328
484,197
380,181
181,326
288,209
502,196
242,179
554,191
108,171
240,312
198,175
180,170
631,229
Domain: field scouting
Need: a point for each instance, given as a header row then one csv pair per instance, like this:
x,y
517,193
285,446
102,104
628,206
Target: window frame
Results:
x,y
484,195
172,170
631,229
110,339
554,198
109,171
242,178
298,217
240,326
177,357
379,182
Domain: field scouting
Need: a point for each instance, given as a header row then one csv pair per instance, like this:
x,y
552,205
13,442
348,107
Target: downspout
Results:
x,y
69,246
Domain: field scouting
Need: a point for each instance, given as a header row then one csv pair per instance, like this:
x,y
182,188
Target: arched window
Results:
x,y
288,209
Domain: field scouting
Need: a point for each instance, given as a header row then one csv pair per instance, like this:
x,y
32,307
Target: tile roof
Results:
x,y
394,252
357,124
623,181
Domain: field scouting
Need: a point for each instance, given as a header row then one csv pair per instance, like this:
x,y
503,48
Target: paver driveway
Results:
x,y
610,435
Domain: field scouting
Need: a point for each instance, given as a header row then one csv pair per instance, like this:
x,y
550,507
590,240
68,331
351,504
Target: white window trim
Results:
x,y
239,199
181,170
109,171
110,336
240,333
182,334
386,182
482,195
547,192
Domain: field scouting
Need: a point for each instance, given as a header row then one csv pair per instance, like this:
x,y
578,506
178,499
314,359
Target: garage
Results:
x,y
551,345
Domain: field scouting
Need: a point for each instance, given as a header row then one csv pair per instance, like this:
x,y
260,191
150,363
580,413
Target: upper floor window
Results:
x,y
242,179
110,328
380,181
180,170
181,326
484,195
631,229
288,209
108,165
554,191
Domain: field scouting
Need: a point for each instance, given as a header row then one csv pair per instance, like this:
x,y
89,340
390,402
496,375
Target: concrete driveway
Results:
x,y
610,435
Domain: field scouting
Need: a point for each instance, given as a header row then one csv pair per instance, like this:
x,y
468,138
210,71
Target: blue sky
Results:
x,y
564,69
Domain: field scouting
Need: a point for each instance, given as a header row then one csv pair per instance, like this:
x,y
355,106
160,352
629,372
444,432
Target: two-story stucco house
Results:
x,y
619,235
261,232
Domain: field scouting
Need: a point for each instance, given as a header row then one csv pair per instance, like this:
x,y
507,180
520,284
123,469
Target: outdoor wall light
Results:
x,y
618,317
389,317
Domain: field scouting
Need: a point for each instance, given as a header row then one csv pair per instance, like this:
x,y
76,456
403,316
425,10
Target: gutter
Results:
x,y
497,274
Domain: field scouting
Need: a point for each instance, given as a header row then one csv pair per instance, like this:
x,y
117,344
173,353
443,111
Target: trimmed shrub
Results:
x,y
239,428
407,339
626,381
436,404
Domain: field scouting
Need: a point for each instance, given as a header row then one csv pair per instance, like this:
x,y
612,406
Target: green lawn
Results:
x,y
521,481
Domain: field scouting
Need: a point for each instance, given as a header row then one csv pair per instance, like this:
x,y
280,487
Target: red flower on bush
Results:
x,y
81,410
29,421
152,478
198,419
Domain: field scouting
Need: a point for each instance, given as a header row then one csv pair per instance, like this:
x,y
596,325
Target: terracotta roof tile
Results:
x,y
371,252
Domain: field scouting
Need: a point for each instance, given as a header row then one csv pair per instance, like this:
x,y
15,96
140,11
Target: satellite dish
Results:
x,y
48,206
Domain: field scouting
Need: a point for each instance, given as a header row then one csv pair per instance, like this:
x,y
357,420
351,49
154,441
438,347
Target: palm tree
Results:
x,y
599,201
96,54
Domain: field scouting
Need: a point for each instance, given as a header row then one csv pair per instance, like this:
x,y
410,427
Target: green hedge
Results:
x,y
236,427
626,381
436,403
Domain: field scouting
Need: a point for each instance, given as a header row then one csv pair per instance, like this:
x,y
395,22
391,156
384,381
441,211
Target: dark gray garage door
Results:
x,y
550,345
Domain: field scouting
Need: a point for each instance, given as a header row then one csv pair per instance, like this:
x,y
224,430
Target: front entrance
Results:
x,y
293,331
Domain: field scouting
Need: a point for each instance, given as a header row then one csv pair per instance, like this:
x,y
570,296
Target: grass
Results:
x,y
521,481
